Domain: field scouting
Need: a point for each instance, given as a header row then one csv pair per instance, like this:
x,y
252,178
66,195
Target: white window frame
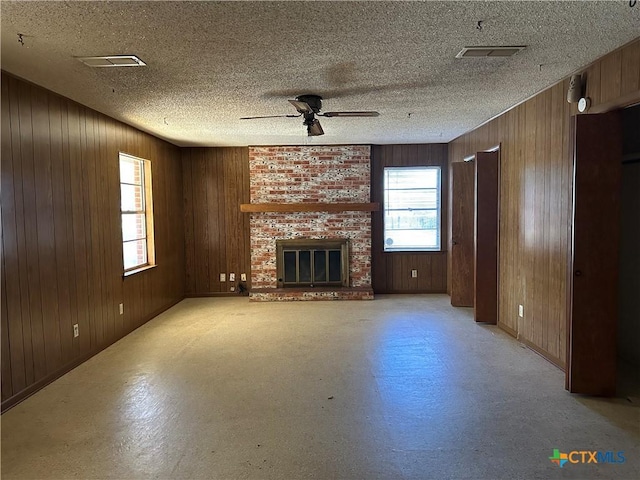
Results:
x,y
386,192
147,211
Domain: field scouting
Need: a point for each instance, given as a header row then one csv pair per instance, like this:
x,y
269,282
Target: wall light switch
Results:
x,y
521,311
76,330
232,277
414,273
121,308
223,277
243,277
233,289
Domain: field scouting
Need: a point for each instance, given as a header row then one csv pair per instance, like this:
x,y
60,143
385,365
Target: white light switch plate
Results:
x,y
223,277
521,311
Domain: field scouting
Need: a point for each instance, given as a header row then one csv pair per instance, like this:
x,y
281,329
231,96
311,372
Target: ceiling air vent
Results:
x,y
467,52
113,61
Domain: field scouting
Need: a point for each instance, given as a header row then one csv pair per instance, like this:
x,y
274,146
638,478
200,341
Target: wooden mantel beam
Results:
x,y
309,207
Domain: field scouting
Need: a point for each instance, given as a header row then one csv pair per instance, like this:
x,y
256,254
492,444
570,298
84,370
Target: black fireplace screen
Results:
x,y
312,263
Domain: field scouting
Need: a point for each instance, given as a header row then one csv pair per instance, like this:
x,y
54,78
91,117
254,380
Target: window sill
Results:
x,y
138,270
414,252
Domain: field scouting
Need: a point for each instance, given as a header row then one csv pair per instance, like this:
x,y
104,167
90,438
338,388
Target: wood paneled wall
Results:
x,y
391,272
61,235
535,197
216,182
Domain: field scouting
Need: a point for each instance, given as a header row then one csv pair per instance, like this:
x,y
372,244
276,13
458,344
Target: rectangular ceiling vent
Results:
x,y
468,52
113,61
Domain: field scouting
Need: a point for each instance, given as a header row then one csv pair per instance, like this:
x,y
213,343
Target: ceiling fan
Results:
x,y
309,106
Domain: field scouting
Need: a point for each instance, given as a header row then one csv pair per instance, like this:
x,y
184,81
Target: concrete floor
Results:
x,y
398,387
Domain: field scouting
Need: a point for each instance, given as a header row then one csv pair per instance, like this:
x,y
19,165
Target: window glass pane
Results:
x,y
407,177
131,197
134,253
335,272
411,240
412,208
289,266
319,266
304,257
134,226
130,170
406,199
415,220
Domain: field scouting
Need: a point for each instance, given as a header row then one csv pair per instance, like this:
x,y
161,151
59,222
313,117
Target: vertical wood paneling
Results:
x,y
189,210
46,232
34,342
80,343
630,73
16,317
535,198
7,387
234,174
69,246
610,76
391,272
201,220
216,182
216,255
61,237
60,214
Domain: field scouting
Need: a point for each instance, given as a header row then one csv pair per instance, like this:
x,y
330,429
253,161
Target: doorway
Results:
x,y
462,234
486,225
474,240
593,271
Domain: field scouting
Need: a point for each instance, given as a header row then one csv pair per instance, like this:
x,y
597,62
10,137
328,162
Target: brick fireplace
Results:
x,y
314,175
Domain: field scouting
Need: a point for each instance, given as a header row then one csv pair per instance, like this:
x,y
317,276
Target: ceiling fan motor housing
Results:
x,y
314,101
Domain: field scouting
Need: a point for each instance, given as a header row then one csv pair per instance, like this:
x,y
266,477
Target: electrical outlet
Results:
x,y
223,277
76,330
521,311
121,308
243,277
232,277
414,273
233,289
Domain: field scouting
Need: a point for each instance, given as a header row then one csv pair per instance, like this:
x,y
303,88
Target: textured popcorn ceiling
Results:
x,y
210,63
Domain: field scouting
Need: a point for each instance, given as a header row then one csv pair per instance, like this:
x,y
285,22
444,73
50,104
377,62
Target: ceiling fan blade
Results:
x,y
271,116
315,129
302,107
350,114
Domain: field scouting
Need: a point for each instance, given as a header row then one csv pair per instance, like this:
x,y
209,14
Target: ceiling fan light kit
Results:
x,y
309,106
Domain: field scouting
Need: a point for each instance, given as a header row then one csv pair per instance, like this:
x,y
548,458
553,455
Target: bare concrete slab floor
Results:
x,y
399,387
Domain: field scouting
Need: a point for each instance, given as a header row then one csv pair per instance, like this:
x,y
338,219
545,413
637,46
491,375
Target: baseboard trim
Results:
x,y
407,292
509,330
549,358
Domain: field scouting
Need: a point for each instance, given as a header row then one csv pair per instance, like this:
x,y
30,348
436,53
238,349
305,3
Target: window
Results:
x,y
136,207
411,209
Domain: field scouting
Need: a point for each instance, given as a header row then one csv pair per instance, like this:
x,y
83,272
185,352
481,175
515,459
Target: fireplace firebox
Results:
x,y
312,262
